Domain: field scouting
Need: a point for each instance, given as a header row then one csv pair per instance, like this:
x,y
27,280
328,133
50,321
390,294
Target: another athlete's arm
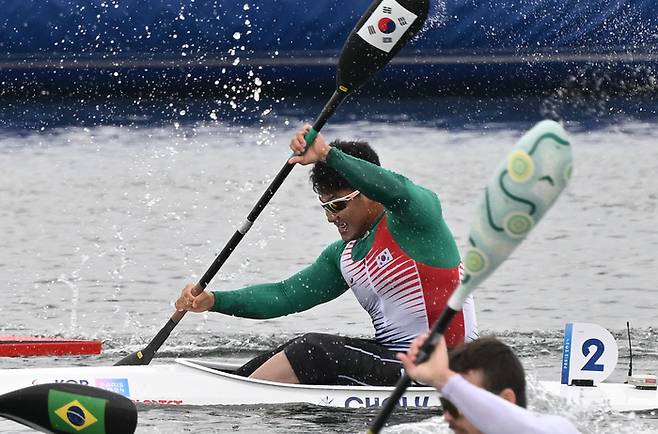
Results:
x,y
488,412
492,414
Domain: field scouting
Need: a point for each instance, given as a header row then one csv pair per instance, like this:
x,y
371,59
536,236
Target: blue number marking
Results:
x,y
591,363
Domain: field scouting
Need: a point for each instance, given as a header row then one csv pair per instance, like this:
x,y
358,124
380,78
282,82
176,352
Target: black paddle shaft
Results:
x,y
327,112
145,356
381,32
404,382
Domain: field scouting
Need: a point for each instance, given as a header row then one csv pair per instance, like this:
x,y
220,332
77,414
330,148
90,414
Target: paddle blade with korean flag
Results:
x,y
70,408
381,32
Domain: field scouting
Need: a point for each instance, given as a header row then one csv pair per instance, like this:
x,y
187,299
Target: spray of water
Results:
x,y
436,18
600,92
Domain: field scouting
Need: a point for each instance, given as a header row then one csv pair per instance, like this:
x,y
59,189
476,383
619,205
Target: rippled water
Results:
x,y
104,219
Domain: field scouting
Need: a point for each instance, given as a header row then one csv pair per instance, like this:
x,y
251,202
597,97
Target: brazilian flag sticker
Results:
x,y
73,413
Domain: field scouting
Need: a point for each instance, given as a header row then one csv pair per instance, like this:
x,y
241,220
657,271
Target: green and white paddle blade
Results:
x,y
523,188
70,408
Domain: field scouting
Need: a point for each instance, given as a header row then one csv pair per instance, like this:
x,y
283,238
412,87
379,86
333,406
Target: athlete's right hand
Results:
x,y
195,303
435,371
316,151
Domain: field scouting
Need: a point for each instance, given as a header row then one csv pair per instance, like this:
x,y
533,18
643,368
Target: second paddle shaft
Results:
x,y
404,382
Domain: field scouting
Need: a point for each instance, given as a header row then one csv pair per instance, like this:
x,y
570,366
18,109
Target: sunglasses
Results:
x,y
449,407
335,205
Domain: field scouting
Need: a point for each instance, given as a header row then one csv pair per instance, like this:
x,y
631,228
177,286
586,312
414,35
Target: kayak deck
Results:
x,y
193,382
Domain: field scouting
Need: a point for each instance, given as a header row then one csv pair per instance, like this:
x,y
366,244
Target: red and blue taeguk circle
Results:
x,y
75,415
386,25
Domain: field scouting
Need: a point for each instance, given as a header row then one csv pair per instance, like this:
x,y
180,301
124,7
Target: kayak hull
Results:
x,y
196,382
188,382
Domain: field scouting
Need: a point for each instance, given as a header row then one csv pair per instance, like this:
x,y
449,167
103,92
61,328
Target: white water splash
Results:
x,y
437,17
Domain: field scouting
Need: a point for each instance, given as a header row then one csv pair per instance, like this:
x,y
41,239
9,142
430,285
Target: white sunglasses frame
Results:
x,y
345,198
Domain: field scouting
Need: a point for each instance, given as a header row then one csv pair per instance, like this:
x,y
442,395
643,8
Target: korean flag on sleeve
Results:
x,y
384,28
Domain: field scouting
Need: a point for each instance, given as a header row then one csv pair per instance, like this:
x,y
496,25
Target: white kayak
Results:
x,y
196,382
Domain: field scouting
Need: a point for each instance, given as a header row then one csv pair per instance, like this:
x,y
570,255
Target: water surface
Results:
x,y
108,210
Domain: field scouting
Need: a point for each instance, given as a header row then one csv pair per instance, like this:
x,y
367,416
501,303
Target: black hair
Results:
x,y
326,180
500,367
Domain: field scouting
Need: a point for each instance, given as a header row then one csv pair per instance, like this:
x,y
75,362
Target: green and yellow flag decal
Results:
x,y
73,413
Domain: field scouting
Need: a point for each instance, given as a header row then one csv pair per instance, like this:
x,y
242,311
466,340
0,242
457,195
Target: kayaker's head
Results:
x,y
351,211
490,364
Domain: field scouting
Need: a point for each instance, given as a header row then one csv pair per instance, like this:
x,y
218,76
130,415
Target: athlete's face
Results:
x,y
357,216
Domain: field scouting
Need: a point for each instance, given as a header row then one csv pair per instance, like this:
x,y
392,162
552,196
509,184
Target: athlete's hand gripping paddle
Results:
x,y
381,32
523,188
70,408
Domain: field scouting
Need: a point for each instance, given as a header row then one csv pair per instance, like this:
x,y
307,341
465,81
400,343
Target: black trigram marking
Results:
x,y
387,10
402,21
371,30
387,39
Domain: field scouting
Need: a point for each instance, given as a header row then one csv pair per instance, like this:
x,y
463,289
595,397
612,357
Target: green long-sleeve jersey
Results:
x,y
414,218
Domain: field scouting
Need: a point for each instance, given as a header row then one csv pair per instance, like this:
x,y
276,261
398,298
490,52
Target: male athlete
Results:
x,y
396,253
482,387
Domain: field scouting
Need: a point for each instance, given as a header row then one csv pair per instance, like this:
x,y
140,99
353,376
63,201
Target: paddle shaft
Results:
x,y
404,382
360,58
145,356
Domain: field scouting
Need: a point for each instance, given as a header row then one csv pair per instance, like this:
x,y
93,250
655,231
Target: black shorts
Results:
x,y
319,358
